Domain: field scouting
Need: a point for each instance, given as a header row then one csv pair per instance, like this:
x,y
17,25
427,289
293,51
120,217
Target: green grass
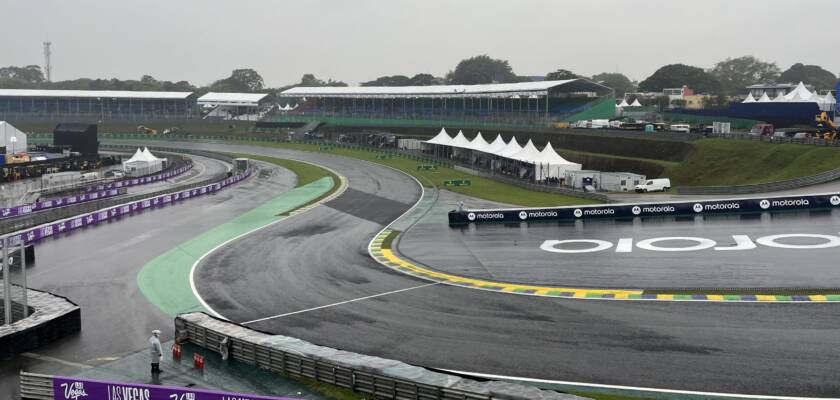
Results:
x,y
482,188
305,172
328,390
716,162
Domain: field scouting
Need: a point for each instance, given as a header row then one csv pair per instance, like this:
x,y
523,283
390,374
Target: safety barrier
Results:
x,y
380,378
36,386
681,208
28,221
26,209
143,180
822,177
126,207
51,317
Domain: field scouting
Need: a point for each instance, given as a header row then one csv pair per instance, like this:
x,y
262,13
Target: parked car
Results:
x,y
654,185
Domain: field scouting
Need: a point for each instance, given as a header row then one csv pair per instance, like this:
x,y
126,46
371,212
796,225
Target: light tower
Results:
x,y
47,65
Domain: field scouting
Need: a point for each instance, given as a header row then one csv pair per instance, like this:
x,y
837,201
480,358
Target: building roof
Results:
x,y
243,99
114,94
772,86
486,90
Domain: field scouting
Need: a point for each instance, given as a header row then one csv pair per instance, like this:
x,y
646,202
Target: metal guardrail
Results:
x,y
36,386
777,140
822,177
275,360
41,218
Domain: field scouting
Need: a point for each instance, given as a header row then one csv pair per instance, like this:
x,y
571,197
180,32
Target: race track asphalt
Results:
x,y
516,253
319,258
97,268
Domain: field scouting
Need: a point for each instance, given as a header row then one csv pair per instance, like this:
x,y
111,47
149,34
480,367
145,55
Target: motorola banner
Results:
x,y
647,210
76,388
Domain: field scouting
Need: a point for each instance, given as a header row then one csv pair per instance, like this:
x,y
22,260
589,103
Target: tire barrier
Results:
x,y
682,208
822,177
377,377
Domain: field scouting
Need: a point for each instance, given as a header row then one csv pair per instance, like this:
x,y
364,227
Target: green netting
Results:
x,y
604,108
737,123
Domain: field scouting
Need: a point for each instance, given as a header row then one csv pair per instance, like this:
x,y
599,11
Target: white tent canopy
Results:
x,y
528,154
510,149
549,164
780,98
799,95
442,138
460,141
624,103
636,103
764,98
143,162
479,144
496,145
749,99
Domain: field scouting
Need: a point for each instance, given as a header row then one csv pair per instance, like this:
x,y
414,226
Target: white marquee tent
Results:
x,y
552,165
143,162
749,99
636,103
764,98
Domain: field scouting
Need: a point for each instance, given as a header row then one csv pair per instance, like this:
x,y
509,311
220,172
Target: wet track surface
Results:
x,y
320,258
567,254
97,269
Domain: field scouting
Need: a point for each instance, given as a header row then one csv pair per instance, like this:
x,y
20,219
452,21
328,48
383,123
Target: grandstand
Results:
x,y
526,104
234,106
101,105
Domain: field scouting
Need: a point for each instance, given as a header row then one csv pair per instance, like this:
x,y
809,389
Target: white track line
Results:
x,y
640,389
338,304
341,188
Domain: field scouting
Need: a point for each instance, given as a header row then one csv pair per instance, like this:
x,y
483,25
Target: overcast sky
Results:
x,y
359,40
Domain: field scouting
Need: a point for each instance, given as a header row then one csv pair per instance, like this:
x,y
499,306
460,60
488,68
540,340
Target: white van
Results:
x,y
685,128
654,185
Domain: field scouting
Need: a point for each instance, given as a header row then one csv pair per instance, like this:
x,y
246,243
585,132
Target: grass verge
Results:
x,y
721,162
480,187
306,173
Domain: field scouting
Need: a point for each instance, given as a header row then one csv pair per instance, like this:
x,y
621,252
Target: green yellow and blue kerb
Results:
x,y
380,249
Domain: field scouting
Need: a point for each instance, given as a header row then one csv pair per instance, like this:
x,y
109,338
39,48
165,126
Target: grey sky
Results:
x,y
359,40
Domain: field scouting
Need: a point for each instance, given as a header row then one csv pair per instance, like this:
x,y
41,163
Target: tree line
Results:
x,y
728,77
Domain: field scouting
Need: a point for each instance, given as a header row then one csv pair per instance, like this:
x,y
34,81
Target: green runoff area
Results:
x,y
165,280
483,188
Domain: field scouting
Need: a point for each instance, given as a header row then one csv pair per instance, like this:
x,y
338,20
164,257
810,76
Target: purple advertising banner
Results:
x,y
69,388
64,201
141,181
67,225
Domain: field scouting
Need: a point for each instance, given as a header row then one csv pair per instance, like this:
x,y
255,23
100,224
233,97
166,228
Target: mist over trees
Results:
x,y
726,78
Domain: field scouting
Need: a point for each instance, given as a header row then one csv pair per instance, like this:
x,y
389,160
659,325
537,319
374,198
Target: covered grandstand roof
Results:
x,y
114,94
233,99
487,90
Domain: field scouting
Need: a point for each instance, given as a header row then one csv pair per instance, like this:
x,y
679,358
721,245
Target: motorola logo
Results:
x,y
764,204
835,200
637,210
578,213
698,207
523,215
471,216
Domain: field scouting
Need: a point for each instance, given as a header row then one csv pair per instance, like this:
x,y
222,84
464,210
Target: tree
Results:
x,y
240,80
810,74
423,80
619,82
560,75
393,80
482,69
735,74
677,75
28,74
